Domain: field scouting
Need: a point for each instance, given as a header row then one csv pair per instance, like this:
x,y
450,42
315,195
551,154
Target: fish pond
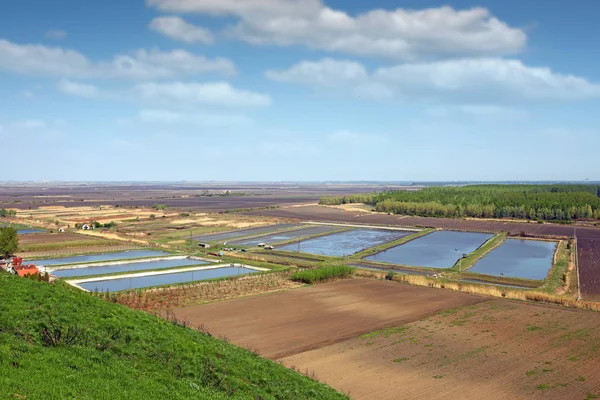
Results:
x,y
132,266
517,258
284,236
115,285
346,243
85,258
220,237
28,231
440,249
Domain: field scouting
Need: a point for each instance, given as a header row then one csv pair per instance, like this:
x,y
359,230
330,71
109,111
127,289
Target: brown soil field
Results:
x,y
175,195
498,349
63,251
286,323
37,238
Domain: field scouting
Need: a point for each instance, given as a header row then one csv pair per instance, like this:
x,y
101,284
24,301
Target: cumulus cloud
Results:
x,y
168,117
39,60
395,34
176,28
78,89
492,79
213,93
56,34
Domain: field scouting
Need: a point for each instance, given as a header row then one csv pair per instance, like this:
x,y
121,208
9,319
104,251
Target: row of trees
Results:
x,y
543,202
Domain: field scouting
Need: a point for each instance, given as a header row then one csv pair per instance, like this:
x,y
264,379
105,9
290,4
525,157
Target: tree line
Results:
x,y
536,202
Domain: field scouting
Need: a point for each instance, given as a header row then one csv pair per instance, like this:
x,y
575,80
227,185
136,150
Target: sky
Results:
x,y
307,90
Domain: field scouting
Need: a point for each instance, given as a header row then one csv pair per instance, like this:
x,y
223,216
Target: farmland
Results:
x,y
281,324
443,299
437,344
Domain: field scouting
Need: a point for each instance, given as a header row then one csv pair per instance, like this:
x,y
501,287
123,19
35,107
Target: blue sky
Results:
x,y
299,90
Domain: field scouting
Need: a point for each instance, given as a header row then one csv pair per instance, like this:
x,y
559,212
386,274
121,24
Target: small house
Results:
x,y
24,270
61,230
204,245
87,227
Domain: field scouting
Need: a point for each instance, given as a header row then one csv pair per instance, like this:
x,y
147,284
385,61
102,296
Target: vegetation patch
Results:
x,y
323,274
57,343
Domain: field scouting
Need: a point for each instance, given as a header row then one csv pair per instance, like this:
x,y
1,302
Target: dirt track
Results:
x,y
287,323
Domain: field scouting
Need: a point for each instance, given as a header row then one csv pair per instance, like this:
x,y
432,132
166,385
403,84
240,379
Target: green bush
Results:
x,y
323,274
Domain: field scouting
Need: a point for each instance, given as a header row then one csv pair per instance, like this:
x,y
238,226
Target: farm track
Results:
x,y
588,238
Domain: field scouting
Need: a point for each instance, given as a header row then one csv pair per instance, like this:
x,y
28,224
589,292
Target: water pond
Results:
x,y
516,258
220,237
123,255
440,249
115,285
132,266
346,243
28,231
284,236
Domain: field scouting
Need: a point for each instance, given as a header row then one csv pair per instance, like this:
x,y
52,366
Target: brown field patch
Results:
x,y
497,350
38,238
291,322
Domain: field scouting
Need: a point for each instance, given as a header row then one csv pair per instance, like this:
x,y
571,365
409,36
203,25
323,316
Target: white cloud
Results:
x,y
176,28
395,34
213,93
167,117
78,89
483,79
355,139
56,34
39,60
326,72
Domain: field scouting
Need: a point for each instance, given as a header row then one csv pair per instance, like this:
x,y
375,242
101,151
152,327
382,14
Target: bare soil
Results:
x,y
286,323
498,349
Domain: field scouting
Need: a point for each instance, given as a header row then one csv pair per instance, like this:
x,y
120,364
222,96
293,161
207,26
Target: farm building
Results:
x,y
204,245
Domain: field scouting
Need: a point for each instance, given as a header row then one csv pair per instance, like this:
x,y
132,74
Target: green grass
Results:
x,y
470,260
323,274
401,360
559,271
59,343
74,243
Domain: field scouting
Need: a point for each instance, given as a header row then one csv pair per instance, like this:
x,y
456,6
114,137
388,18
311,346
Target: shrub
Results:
x,y
323,274
390,275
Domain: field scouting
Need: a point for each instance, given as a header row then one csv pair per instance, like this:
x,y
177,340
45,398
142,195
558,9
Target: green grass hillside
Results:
x,y
59,343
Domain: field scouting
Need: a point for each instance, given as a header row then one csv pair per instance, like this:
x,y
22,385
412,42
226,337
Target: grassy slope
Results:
x,y
148,358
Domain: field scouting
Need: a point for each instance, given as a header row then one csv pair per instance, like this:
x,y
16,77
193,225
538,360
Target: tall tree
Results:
x,y
9,241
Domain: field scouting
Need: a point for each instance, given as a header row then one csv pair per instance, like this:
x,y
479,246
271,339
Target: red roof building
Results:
x,y
24,270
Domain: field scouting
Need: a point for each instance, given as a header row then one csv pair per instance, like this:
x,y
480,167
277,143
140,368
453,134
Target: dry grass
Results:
x,y
198,293
487,290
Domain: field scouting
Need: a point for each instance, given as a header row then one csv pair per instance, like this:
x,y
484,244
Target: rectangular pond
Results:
x,y
440,249
284,236
28,231
220,237
85,258
517,258
115,285
346,243
132,266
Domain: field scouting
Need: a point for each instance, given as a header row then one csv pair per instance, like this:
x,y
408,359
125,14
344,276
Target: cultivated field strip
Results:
x,y
286,323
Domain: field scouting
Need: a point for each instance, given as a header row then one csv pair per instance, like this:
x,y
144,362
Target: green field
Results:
x,y
60,343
